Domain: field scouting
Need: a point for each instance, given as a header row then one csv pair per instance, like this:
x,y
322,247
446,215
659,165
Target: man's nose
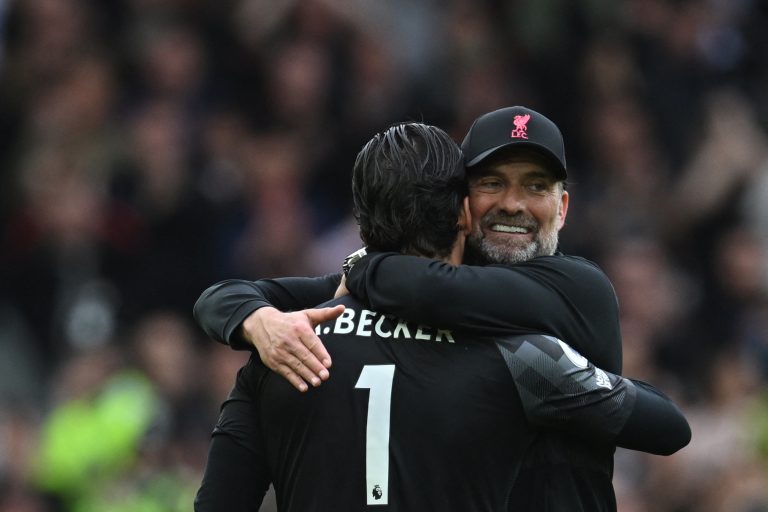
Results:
x,y
512,201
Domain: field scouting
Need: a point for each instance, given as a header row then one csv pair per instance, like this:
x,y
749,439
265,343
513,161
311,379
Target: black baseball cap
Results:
x,y
514,126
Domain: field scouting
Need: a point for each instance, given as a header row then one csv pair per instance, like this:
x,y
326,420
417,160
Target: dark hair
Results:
x,y
408,186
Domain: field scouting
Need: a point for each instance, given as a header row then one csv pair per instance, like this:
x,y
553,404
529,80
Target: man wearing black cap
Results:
x,y
474,420
525,163
516,168
518,203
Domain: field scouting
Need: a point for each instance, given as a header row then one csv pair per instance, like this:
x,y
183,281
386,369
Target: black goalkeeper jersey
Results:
x,y
416,418
564,296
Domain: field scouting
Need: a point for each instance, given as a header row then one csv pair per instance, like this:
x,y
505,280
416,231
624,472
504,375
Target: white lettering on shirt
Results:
x,y
367,323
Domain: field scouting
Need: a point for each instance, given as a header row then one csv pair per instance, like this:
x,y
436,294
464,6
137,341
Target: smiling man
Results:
x,y
517,190
516,171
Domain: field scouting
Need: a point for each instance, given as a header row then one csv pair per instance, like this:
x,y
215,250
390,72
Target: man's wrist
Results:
x,y
252,323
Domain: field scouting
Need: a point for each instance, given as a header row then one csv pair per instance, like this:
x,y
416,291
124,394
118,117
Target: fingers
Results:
x,y
318,353
292,377
320,315
288,344
293,367
314,355
303,362
297,363
298,374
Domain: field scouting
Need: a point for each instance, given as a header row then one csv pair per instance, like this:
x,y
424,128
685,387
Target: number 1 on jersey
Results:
x,y
377,378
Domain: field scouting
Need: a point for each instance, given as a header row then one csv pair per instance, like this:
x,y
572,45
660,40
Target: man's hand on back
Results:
x,y
288,345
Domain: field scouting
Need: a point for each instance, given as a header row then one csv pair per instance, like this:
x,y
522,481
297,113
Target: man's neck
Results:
x,y
473,256
457,253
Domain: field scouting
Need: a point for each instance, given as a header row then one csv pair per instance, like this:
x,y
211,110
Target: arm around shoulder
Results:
x,y
592,403
221,309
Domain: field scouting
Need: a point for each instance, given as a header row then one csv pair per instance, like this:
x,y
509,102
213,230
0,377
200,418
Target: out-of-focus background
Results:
x,y
150,148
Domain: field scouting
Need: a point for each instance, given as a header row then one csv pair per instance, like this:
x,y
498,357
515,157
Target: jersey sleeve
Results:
x,y
221,308
656,425
566,296
561,389
236,476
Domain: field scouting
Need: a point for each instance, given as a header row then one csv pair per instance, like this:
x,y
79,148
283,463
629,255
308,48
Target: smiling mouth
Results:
x,y
505,228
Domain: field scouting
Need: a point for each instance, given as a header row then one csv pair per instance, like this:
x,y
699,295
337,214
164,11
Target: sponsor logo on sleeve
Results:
x,y
573,356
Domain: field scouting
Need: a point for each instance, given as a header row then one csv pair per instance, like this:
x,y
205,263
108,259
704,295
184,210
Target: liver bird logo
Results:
x,y
521,128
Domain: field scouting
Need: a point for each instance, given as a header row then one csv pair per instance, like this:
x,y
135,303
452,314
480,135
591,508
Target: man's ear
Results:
x,y
465,218
562,212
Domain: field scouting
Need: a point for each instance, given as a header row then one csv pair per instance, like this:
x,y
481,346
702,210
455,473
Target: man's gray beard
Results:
x,y
543,245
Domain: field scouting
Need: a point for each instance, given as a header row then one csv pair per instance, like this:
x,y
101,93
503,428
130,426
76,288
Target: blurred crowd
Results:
x,y
150,148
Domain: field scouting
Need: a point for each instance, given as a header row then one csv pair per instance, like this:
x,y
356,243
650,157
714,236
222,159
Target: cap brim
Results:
x,y
557,166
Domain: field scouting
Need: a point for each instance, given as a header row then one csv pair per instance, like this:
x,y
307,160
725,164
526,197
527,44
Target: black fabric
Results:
x,y
453,407
221,308
514,126
231,466
464,427
565,296
563,476
656,425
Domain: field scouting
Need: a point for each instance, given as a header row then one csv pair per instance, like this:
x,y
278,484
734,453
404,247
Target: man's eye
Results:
x,y
488,184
